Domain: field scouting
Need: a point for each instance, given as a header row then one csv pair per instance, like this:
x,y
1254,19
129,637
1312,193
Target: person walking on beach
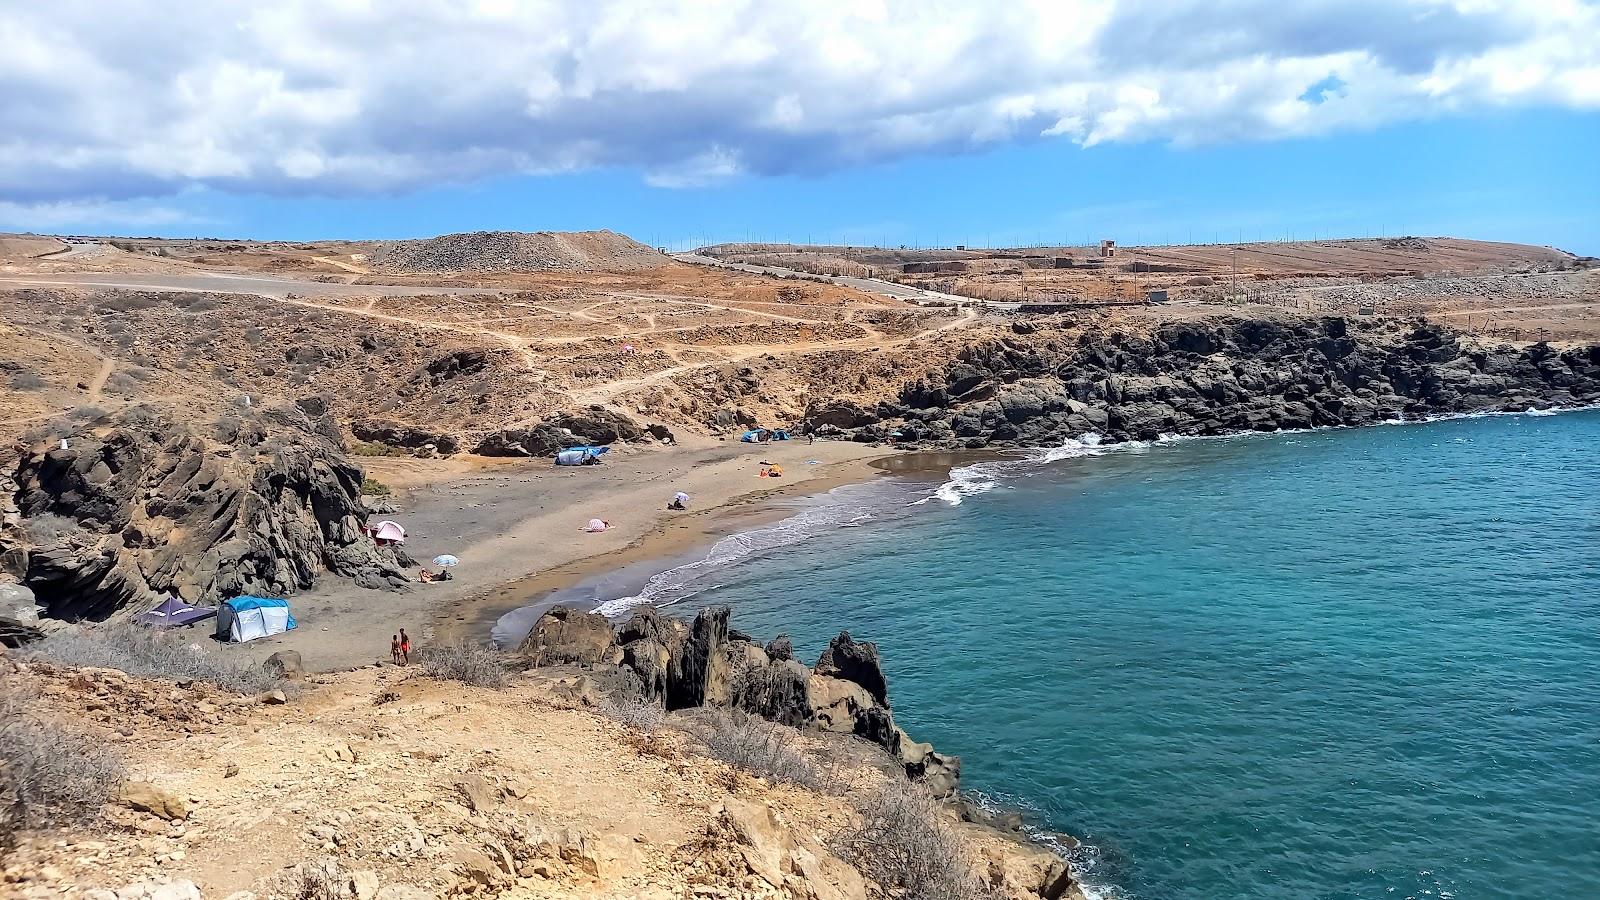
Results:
x,y
405,648
394,649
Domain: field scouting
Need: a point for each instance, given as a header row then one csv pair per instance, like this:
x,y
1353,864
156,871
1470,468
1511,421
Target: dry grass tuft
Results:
x,y
759,747
467,663
905,844
151,653
51,773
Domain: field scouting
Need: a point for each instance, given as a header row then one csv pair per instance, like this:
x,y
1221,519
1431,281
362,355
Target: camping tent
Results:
x,y
580,456
756,436
248,618
174,612
389,531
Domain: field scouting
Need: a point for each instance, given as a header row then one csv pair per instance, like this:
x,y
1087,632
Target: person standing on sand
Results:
x,y
394,649
405,648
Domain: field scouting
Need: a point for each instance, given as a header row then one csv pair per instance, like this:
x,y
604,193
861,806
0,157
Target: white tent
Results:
x,y
247,618
390,531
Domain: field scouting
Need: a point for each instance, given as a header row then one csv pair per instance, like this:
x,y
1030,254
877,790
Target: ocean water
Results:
x,y
1351,663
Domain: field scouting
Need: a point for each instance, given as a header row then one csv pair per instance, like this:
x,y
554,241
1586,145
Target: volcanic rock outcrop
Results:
x,y
134,506
1223,376
703,664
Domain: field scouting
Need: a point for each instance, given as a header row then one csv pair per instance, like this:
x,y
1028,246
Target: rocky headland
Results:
x,y
1040,386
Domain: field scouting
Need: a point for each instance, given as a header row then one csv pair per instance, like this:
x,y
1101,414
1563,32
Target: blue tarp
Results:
x,y
577,456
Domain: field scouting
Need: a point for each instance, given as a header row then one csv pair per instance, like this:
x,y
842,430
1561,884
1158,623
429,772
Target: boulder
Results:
x,y
15,634
154,799
941,774
598,426
564,635
285,664
855,661
780,648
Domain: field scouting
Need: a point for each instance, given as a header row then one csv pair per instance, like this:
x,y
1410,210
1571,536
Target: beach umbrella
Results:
x,y
681,497
445,560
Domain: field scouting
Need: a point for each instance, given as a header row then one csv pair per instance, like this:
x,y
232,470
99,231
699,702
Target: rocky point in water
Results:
x,y
117,513
702,664
1038,387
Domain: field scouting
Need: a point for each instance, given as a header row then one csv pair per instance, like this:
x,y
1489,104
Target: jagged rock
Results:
x,y
145,508
855,661
15,634
780,648
564,635
840,414
940,773
699,672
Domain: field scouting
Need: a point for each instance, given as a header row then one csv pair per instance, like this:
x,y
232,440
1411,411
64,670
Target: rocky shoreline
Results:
x,y
1041,386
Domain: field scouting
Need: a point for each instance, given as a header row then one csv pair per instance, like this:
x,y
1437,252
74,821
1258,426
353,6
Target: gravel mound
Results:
x,y
517,251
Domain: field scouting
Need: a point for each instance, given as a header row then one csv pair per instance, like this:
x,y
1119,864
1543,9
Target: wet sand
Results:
x,y
517,527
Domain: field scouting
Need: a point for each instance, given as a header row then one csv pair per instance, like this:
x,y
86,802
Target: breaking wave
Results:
x,y
841,508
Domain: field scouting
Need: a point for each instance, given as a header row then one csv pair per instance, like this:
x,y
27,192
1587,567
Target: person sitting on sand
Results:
x,y
775,471
424,576
679,501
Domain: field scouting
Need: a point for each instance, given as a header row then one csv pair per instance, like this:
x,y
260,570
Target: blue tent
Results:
x,y
247,618
580,456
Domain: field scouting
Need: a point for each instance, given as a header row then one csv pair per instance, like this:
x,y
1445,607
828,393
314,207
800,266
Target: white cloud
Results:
x,y
142,98
66,215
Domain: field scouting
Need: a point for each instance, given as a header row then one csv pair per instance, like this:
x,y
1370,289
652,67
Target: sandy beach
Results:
x,y
517,527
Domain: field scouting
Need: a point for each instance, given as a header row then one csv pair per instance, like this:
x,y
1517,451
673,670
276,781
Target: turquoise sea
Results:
x,y
1351,663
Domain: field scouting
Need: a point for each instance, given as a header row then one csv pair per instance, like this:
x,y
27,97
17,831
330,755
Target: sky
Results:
x,y
926,123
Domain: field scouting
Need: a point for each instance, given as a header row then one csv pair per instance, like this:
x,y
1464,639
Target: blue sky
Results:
x,y
1528,177
923,122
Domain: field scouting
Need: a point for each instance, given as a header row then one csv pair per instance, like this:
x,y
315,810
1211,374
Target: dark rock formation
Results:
x,y
599,426
706,664
700,673
137,507
1227,375
855,661
540,440
565,635
394,434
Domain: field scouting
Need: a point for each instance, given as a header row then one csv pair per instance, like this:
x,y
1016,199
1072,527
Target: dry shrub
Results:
x,y
150,653
318,879
49,529
467,663
645,722
906,845
388,696
759,747
51,773
28,381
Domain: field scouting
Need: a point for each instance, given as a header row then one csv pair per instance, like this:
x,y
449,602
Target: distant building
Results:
x,y
1108,248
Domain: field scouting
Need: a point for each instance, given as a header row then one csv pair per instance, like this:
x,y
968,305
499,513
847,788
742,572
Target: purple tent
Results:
x,y
175,612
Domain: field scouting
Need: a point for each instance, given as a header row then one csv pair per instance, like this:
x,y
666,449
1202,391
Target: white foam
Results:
x,y
682,582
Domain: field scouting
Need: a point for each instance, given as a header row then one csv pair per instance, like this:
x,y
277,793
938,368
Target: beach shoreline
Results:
x,y
517,527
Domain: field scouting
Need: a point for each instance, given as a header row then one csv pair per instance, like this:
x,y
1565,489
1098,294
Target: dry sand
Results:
x,y
517,528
